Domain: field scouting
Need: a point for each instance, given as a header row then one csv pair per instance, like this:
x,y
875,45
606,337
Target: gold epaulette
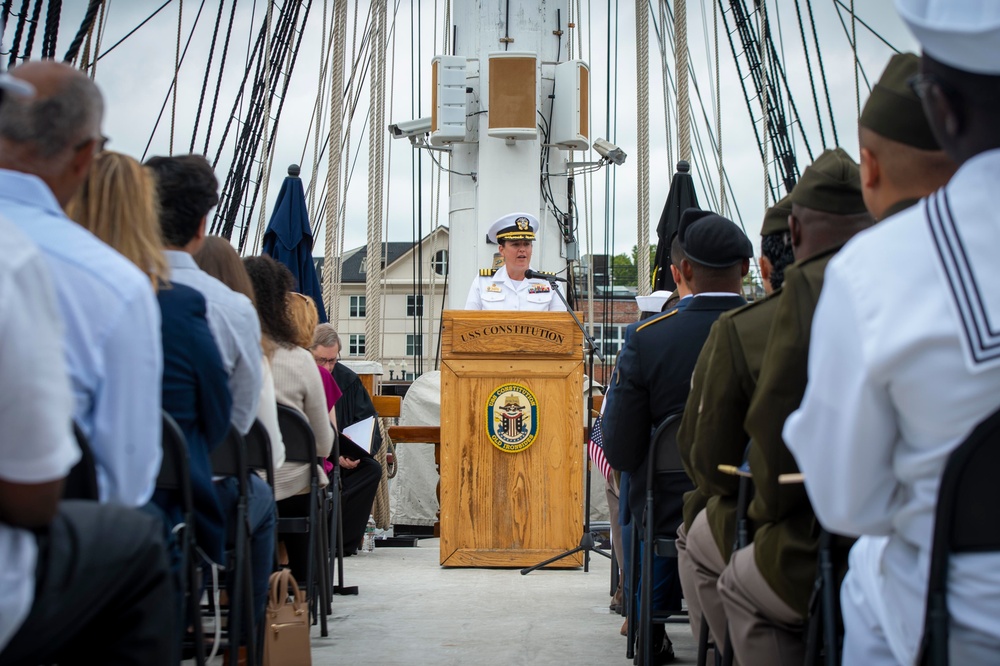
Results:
x,y
657,319
487,272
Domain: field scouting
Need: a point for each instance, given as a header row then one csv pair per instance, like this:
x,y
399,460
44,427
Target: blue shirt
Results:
x,y
236,328
112,344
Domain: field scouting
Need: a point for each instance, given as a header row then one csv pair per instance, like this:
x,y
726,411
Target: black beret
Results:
x,y
712,240
831,184
776,217
894,111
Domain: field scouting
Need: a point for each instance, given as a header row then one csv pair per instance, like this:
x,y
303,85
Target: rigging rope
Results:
x,y
218,81
177,70
51,29
683,102
718,112
765,119
22,20
317,115
665,78
30,41
373,277
85,28
822,71
265,148
642,139
331,274
854,48
208,69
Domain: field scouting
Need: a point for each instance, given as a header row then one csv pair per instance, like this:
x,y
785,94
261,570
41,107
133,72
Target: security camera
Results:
x,y
609,151
411,128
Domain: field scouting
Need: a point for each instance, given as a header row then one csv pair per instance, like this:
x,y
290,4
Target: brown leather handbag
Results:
x,y
286,623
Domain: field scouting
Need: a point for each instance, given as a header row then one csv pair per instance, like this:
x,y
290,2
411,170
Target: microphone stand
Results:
x,y
587,544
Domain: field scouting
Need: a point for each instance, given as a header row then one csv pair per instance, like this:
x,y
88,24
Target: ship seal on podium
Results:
x,y
512,418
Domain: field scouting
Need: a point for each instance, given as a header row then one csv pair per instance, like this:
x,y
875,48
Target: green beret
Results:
x,y
831,184
894,111
712,240
776,217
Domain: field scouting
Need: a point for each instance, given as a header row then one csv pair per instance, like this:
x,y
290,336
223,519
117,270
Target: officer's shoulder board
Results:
x,y
657,319
487,272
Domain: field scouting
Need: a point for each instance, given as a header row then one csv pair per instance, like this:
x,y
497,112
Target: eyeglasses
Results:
x,y
921,85
100,143
326,361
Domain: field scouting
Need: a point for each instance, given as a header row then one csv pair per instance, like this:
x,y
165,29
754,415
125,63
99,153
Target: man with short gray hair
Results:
x,y
112,345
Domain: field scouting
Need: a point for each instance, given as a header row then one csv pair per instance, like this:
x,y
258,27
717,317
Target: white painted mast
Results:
x,y
507,172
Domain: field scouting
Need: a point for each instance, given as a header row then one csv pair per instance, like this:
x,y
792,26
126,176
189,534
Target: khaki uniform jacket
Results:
x,y
786,538
712,431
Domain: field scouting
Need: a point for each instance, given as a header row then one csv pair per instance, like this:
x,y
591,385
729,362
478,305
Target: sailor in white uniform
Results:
x,y
904,363
507,288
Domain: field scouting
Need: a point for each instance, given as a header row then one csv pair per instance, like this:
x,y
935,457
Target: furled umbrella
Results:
x,y
289,238
680,197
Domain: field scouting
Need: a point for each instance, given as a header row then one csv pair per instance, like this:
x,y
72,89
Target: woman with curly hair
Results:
x,y
296,385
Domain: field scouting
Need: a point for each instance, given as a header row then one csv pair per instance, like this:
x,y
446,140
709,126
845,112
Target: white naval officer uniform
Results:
x,y
896,383
499,292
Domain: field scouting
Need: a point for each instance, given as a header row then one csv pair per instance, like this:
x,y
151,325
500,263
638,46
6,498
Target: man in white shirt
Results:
x,y
79,578
507,288
112,344
903,364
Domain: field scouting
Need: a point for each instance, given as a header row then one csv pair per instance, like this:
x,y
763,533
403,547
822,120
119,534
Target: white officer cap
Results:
x,y
654,302
514,226
15,85
964,34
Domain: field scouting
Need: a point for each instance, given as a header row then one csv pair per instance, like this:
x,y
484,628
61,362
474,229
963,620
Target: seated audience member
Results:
x,y
296,385
218,258
653,377
188,190
765,587
901,374
82,582
118,204
112,344
359,478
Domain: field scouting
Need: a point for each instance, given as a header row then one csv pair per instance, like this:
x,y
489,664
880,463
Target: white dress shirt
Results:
x,y
36,408
236,329
112,346
893,389
499,292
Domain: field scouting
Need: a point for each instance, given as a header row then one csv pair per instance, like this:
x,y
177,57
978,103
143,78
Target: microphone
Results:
x,y
538,275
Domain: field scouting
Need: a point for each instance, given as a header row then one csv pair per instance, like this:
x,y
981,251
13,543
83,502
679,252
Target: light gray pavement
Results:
x,y
412,611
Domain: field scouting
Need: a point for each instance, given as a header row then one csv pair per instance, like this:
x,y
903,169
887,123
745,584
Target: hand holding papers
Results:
x,y
356,439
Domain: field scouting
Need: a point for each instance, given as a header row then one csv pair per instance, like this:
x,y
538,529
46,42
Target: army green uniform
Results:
x,y
786,538
712,432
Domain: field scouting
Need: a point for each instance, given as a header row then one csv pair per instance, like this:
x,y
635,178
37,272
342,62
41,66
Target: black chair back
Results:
x,y
81,482
229,457
258,450
297,434
965,522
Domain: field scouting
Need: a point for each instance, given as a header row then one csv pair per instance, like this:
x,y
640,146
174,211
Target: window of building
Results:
x,y
414,344
357,306
610,339
415,305
440,262
357,344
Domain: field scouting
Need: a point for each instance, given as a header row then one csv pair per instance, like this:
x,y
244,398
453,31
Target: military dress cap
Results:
x,y
894,111
515,226
712,240
831,184
964,34
776,217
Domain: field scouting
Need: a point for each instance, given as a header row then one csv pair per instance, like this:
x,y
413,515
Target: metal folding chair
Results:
x,y
175,476
230,459
965,522
300,447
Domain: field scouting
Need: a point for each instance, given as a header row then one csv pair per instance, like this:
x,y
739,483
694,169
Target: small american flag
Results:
x,y
595,447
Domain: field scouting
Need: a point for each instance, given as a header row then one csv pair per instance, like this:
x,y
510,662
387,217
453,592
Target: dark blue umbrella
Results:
x,y
680,197
289,239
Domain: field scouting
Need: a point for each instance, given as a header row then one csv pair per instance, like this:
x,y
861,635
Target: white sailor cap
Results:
x,y
514,226
964,34
15,85
654,302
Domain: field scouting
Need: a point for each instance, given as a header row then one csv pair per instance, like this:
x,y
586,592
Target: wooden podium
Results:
x,y
511,450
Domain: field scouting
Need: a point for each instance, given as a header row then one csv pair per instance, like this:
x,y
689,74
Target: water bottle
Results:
x,y
368,546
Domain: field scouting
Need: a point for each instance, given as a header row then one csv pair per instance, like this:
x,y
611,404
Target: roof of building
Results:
x,y
353,261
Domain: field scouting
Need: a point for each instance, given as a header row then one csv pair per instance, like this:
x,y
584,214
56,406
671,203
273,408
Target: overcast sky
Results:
x,y
136,75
